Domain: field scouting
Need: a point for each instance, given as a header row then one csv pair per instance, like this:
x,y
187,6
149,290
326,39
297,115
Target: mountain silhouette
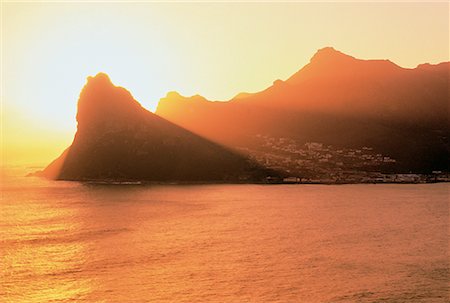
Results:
x,y
339,100
117,139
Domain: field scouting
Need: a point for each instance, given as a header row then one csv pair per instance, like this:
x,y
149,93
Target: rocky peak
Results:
x,y
100,100
329,55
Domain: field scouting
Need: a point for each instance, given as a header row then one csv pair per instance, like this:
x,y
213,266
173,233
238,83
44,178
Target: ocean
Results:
x,y
75,242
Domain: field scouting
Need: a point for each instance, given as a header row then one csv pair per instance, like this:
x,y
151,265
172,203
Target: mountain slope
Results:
x,y
336,100
117,139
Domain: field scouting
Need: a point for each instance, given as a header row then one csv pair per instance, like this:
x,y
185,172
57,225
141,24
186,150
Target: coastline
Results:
x,y
145,182
441,177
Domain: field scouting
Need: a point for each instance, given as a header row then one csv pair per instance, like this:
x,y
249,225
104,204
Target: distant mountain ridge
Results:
x,y
339,100
118,140
333,80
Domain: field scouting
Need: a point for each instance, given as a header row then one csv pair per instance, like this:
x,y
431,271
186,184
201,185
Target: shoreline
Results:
x,y
442,177
144,183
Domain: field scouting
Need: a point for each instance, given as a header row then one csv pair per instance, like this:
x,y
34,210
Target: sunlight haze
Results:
x,y
213,49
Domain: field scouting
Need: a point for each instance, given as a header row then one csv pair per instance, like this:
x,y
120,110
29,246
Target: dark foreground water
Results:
x,y
69,242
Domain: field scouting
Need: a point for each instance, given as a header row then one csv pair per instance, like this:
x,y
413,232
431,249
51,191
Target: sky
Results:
x,y
213,49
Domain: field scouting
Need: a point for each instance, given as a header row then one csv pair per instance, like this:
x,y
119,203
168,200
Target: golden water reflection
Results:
x,y
223,243
40,255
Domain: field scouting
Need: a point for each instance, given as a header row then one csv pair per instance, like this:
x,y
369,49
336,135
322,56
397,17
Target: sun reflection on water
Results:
x,y
66,242
41,256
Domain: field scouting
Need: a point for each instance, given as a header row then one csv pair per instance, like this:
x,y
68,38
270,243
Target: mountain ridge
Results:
x,y
328,52
339,100
336,102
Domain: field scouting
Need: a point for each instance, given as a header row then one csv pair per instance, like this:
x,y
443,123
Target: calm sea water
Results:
x,y
72,242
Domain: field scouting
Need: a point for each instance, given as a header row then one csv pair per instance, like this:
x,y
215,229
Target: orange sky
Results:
x,y
214,49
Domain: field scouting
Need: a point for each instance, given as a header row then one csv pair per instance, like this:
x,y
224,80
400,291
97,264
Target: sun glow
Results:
x,y
213,49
